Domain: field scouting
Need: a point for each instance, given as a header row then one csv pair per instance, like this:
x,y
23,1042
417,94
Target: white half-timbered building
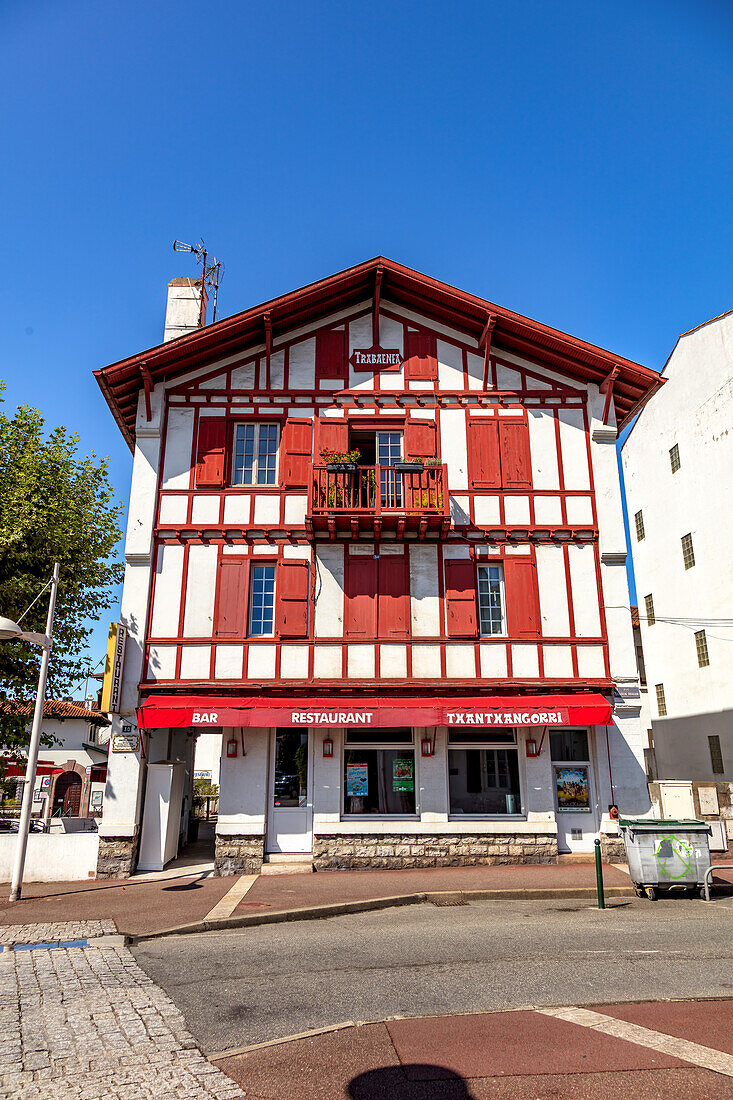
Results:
x,y
376,540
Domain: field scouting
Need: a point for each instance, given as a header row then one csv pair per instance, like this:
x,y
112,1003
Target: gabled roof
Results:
x,y
121,382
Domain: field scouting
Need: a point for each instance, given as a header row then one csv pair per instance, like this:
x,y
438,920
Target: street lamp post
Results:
x,y
9,630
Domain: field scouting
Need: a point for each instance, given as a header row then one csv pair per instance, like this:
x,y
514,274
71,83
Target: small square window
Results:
x,y
674,458
661,701
649,605
701,643
716,756
688,554
639,521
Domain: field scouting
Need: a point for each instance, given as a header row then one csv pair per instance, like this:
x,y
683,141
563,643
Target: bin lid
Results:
x,y
655,825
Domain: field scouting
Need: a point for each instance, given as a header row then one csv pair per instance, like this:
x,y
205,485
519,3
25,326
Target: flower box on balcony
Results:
x,y
340,467
409,467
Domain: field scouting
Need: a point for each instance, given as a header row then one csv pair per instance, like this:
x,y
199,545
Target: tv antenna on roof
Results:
x,y
212,273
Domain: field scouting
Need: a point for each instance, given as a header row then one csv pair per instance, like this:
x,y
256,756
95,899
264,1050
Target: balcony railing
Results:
x,y
376,497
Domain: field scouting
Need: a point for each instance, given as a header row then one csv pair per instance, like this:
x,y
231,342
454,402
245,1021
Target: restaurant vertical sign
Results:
x,y
114,664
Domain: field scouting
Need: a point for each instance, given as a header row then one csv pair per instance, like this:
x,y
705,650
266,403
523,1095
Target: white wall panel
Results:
x,y
174,510
424,601
243,378
236,508
295,510
590,661
486,510
574,449
516,510
178,445
553,591
393,661
205,509
493,660
548,510
329,616
195,662
167,598
460,661
476,372
543,449
261,662
302,365
198,619
327,662
453,447
584,587
267,509
525,661
229,660
294,662
360,662
558,661
162,662
450,366
579,510
426,662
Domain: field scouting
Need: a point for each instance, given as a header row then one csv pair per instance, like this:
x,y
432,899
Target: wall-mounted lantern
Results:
x,y
232,747
427,746
327,746
531,747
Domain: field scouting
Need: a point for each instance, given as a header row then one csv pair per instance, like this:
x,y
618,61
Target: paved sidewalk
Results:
x,y
141,907
87,1022
638,1051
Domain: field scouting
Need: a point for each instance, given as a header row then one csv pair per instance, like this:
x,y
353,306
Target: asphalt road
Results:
x,y
246,986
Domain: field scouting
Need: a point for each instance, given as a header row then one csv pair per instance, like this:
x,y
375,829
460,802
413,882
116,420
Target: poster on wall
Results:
x,y
573,792
357,780
403,775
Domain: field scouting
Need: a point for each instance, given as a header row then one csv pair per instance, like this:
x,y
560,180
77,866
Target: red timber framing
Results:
x,y
409,289
503,369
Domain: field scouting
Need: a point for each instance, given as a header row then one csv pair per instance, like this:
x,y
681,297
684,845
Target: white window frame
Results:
x,y
502,597
257,425
261,565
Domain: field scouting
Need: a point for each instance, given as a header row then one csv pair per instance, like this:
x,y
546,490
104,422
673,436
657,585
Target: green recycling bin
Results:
x,y
666,855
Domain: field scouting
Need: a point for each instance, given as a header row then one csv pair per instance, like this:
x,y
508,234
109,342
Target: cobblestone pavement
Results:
x,y
87,1023
52,933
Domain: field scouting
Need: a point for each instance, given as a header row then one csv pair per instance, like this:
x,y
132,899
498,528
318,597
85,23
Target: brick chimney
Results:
x,y
183,313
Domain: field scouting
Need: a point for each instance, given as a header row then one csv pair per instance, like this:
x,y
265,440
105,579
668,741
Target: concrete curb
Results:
x,y
366,905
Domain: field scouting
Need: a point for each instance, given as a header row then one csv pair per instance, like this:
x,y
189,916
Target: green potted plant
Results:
x,y
340,461
410,465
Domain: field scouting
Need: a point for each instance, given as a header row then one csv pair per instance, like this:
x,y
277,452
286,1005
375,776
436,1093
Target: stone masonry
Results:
x,y
87,1022
239,855
116,857
348,852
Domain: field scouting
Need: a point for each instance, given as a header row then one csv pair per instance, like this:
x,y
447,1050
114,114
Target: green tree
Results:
x,y
55,505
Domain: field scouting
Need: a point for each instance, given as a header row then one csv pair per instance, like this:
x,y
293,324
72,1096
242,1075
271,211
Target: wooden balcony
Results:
x,y
379,499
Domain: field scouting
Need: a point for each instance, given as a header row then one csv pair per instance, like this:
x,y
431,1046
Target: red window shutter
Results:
x,y
420,439
522,597
516,469
421,356
231,602
393,616
295,453
211,451
332,436
460,599
292,591
484,464
360,612
330,354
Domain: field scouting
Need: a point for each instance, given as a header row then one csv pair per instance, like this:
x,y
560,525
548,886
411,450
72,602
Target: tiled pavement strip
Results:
x,y
87,1023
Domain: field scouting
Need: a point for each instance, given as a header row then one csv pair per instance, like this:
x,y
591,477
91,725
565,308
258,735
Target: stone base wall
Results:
x,y
117,856
348,852
613,849
239,855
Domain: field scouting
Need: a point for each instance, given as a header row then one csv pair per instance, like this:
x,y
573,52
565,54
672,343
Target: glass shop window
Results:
x,y
379,779
484,780
571,768
291,768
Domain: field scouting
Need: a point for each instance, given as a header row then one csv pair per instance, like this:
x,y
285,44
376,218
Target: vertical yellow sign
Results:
x,y
112,683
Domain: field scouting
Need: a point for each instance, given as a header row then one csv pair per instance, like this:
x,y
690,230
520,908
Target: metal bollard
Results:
x,y
599,877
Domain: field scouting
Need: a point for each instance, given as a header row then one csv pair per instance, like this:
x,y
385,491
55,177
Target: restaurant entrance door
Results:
x,y
290,804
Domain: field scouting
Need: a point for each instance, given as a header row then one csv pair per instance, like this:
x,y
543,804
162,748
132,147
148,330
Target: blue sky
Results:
x,y
569,160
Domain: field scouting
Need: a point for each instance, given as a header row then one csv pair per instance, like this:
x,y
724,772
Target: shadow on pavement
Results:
x,y
409,1082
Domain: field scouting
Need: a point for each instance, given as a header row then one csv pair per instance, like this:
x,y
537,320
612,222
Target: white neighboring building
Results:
x,y
678,468
71,776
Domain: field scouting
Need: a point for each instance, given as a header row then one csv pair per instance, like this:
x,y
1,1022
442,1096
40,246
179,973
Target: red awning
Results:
x,y
202,711
15,770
